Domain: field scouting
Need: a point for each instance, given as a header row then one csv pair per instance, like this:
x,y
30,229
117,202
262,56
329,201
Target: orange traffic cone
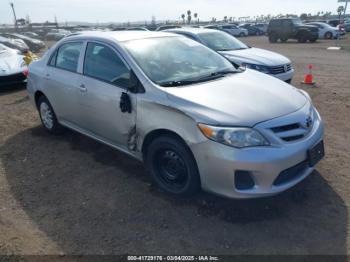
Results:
x,y
308,78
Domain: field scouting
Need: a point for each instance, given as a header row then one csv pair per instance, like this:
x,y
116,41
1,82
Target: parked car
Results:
x,y
31,34
12,66
291,28
325,31
165,27
262,27
137,29
51,36
333,22
57,34
347,26
252,29
229,28
239,53
237,133
33,44
14,43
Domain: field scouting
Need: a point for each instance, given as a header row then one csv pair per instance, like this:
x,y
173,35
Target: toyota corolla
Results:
x,y
185,111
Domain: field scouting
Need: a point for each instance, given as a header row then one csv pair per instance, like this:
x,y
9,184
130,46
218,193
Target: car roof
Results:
x,y
120,36
192,30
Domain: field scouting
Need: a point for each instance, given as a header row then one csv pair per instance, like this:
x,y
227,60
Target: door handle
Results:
x,y
47,77
82,88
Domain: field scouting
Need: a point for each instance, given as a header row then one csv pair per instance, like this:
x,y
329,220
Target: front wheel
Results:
x,y
48,116
172,166
313,40
302,38
273,38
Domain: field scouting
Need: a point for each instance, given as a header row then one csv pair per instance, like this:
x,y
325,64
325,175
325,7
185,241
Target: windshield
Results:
x,y
220,41
180,60
297,22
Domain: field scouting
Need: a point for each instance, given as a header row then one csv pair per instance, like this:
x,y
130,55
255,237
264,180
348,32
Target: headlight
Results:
x,y
234,136
306,94
260,68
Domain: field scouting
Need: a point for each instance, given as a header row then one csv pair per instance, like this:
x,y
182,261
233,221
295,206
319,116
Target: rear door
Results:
x,y
61,80
288,29
106,78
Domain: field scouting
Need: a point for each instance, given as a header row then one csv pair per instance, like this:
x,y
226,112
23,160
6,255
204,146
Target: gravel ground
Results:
x,y
71,195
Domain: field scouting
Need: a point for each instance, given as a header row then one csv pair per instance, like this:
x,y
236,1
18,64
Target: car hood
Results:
x,y
255,56
10,64
241,99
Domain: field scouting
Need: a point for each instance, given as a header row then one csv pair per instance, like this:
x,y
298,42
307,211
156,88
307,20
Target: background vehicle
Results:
x,y
33,44
291,28
165,27
31,34
229,131
137,29
262,27
252,29
239,53
347,25
325,31
230,28
12,66
14,43
57,34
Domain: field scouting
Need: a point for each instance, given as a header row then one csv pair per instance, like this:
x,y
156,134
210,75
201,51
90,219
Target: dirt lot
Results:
x,y
71,195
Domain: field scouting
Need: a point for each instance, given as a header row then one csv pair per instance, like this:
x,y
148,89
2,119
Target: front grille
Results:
x,y
280,69
291,132
291,174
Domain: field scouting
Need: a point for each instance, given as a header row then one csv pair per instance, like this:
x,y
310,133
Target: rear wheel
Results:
x,y
48,116
328,35
241,34
172,166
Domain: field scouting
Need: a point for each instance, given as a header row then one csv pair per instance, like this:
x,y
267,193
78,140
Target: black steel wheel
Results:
x,y
172,166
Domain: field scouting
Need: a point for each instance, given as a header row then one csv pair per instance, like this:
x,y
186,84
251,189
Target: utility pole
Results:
x,y
14,14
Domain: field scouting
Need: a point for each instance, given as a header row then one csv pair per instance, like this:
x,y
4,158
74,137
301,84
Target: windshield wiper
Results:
x,y
212,76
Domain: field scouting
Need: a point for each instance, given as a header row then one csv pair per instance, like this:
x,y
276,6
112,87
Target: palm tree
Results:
x,y
189,17
225,18
195,15
183,18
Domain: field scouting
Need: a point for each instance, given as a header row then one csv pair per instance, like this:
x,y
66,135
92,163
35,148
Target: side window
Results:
x,y
68,56
103,63
285,23
53,59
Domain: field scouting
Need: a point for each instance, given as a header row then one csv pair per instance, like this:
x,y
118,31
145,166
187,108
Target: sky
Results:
x,y
142,10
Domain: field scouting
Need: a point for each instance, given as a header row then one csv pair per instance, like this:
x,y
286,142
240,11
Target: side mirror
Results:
x,y
135,85
125,103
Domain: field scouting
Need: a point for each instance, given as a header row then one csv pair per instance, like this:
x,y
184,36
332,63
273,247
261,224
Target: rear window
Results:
x,y
68,56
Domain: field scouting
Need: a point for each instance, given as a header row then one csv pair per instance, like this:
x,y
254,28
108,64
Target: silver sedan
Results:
x,y
184,110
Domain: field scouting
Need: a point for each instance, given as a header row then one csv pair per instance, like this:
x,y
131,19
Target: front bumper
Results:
x,y
7,80
218,164
287,76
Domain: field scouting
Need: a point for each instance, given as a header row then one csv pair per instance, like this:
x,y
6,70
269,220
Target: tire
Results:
x,y
47,116
328,35
302,38
284,40
273,38
241,34
172,166
313,40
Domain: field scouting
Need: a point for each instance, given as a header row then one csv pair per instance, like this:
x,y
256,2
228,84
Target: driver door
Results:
x,y
105,78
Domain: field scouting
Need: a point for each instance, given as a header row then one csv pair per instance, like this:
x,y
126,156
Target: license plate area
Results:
x,y
316,153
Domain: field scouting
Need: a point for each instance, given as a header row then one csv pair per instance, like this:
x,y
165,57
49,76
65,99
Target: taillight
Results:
x,y
26,72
